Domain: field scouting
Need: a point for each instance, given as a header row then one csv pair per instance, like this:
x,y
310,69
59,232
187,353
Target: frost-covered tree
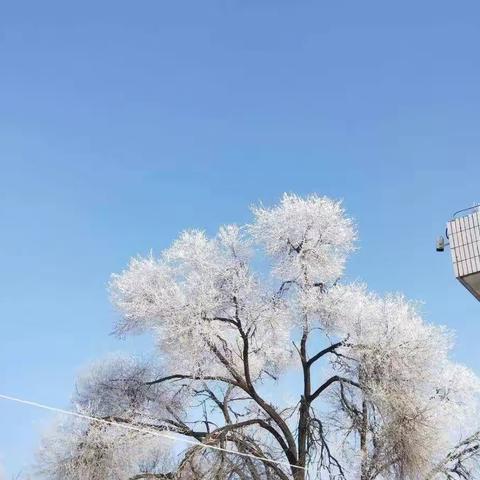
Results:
x,y
315,377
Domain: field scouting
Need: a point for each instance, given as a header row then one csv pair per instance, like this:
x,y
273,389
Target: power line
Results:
x,y
143,430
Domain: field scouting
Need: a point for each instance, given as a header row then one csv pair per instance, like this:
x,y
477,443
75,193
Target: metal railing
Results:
x,y
474,208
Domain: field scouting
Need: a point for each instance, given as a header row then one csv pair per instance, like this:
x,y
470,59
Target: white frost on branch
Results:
x,y
308,238
114,389
78,450
118,386
426,402
191,295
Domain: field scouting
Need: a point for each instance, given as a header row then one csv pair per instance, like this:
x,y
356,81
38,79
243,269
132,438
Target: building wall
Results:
x,y
464,237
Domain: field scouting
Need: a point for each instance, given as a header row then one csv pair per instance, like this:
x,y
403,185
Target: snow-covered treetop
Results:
x,y
190,295
308,238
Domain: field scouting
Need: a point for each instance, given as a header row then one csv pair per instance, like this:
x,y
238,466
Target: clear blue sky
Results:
x,y
122,123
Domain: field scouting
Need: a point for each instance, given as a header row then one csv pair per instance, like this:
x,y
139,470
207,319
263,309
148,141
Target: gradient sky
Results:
x,y
122,123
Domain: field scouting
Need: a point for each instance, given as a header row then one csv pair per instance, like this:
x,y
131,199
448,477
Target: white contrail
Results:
x,y
142,430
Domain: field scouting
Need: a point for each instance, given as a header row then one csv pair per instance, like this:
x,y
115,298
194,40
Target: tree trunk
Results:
x,y
299,473
363,442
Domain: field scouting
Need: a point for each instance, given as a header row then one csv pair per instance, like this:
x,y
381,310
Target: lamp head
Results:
x,y
440,244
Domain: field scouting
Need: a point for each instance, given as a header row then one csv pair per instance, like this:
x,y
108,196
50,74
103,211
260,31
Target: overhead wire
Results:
x,y
140,429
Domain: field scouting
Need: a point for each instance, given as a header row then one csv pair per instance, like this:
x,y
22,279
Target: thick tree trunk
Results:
x,y
363,442
299,473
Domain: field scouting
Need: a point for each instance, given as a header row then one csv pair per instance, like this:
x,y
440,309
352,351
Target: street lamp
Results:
x,y
463,234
